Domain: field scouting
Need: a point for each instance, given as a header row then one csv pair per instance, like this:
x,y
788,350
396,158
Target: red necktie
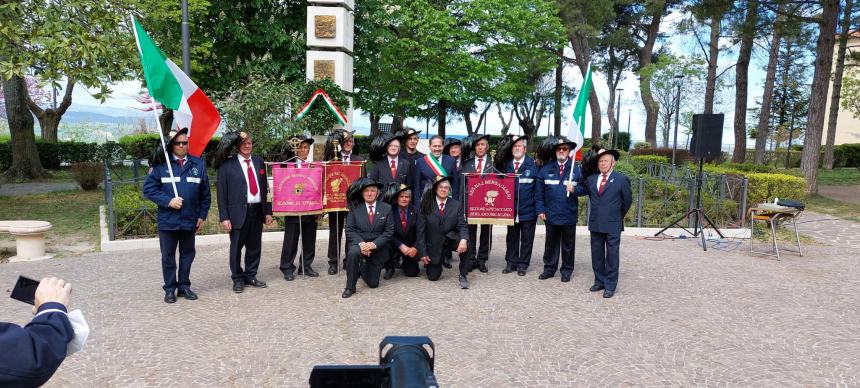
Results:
x,y
252,178
370,214
481,165
442,209
393,170
602,185
561,170
403,219
516,167
181,162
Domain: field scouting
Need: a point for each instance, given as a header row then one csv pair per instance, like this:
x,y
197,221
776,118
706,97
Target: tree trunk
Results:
x,y
506,124
442,117
559,86
49,119
397,123
770,78
25,157
742,81
467,119
713,57
374,124
645,56
818,95
837,85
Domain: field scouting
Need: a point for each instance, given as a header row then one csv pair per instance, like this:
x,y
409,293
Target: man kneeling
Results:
x,y
368,228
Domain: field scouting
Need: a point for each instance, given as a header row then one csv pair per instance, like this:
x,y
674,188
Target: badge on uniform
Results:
x,y
194,171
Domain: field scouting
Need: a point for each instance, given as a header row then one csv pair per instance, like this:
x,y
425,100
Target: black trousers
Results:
x,y
336,221
559,236
434,271
605,249
520,240
368,268
250,237
408,264
483,250
169,240
290,248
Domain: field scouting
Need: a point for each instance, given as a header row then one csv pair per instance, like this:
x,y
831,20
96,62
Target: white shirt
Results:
x,y
439,204
600,178
483,164
251,198
344,157
390,159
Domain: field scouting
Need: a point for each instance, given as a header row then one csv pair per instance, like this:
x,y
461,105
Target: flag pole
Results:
x,y
157,121
579,125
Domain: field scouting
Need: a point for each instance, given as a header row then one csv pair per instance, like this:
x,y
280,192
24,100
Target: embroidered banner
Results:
x,y
297,191
338,177
490,199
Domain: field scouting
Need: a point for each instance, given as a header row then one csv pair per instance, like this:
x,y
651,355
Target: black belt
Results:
x,y
258,204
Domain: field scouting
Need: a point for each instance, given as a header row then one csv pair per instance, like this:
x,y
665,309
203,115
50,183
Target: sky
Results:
x,y
631,111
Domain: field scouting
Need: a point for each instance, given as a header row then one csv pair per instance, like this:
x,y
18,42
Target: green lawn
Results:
x,y
832,207
73,214
837,176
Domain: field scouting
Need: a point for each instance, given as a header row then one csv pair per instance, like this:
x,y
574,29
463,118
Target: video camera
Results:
x,y
404,362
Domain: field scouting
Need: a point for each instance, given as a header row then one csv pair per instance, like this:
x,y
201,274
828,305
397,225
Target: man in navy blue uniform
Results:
x,y
521,234
610,198
433,165
179,216
557,206
31,354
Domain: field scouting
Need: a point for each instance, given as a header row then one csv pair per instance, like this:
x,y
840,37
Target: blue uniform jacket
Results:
x,y
31,354
551,195
525,188
608,209
193,186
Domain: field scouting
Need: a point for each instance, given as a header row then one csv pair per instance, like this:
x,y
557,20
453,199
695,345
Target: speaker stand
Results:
x,y
699,225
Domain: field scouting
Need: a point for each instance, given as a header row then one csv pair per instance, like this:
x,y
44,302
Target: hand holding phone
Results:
x,y
25,290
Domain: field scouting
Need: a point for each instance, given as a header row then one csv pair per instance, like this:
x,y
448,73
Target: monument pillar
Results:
x,y
330,28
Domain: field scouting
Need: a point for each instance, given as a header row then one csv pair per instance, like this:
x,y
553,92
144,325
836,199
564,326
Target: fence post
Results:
x,y
109,199
743,208
640,199
135,165
691,188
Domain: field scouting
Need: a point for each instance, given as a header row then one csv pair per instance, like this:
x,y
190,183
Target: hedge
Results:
x,y
641,162
681,155
142,146
54,154
765,187
847,155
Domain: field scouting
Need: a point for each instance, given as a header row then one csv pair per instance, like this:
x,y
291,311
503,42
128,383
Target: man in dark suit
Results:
x,y
454,148
369,227
403,242
610,198
243,208
409,148
299,226
521,234
434,165
337,220
442,228
481,164
557,205
393,167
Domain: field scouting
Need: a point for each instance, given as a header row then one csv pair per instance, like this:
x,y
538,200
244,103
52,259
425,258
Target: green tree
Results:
x,y
664,85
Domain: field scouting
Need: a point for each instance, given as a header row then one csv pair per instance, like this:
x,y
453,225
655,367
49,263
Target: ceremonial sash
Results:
x,y
435,165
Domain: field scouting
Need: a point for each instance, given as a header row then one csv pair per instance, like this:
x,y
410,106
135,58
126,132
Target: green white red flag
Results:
x,y
576,133
170,86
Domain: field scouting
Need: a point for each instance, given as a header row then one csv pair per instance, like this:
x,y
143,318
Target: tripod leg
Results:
x,y
675,223
700,228
711,223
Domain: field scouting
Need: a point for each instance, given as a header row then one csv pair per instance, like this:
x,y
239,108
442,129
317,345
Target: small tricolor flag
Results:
x,y
576,133
170,86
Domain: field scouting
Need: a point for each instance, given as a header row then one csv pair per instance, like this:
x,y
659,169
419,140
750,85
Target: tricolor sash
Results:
x,y
435,165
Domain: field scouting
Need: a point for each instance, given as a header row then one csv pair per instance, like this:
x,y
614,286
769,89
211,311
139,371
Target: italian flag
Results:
x,y
170,86
576,133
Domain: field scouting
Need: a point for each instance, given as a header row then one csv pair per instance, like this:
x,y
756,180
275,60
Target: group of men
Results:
x,y
408,211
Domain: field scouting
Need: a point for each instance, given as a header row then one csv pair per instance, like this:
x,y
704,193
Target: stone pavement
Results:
x,y
829,229
681,317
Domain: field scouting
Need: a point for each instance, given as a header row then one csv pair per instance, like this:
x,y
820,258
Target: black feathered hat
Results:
x,y
450,142
615,154
504,152
393,191
353,193
228,147
379,146
546,149
158,156
427,198
589,160
339,135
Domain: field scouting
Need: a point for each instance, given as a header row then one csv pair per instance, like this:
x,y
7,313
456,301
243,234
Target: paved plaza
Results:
x,y
681,317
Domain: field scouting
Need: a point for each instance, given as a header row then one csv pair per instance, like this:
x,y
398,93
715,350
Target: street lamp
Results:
x,y
679,78
629,112
186,56
617,128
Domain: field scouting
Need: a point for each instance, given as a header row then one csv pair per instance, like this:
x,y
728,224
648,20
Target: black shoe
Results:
x,y
169,297
482,266
389,273
347,293
521,272
238,286
464,282
596,287
545,276
507,271
565,278
255,283
289,276
446,264
332,269
309,272
608,294
188,294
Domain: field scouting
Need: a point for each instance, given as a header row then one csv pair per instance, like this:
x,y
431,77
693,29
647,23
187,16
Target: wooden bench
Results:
x,y
29,238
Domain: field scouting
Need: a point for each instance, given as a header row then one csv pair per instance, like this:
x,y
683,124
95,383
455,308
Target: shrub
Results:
x,y
748,167
640,162
641,145
139,146
766,187
681,155
848,155
5,155
134,214
88,174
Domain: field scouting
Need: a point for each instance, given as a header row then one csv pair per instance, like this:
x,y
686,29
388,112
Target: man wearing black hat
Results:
x,y
441,228
480,164
337,220
390,165
180,213
453,148
557,205
243,208
610,198
403,242
409,148
369,227
295,226
521,234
